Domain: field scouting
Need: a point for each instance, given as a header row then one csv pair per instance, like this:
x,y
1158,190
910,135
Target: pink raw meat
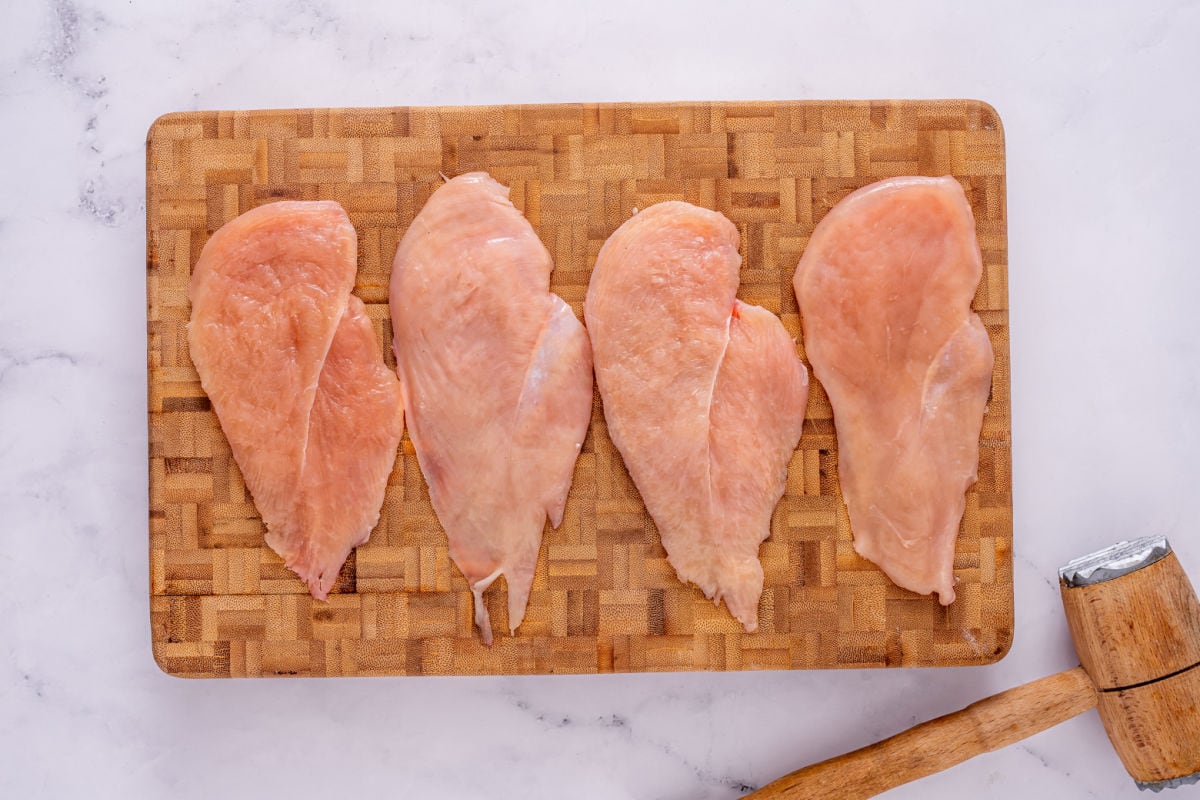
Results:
x,y
496,374
291,363
885,288
704,395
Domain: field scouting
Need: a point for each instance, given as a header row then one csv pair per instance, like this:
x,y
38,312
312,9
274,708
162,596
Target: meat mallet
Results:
x,y
1135,621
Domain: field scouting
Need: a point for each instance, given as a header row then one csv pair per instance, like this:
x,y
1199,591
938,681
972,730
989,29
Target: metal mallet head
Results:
x,y
1135,620
1136,624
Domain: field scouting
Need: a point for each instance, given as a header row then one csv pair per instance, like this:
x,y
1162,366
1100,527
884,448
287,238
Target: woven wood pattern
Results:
x,y
604,598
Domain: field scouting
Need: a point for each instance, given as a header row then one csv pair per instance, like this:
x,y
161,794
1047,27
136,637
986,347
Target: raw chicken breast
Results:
x,y
704,395
496,374
291,364
885,288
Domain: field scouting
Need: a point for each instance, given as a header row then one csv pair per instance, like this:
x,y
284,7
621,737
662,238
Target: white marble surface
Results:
x,y
1099,103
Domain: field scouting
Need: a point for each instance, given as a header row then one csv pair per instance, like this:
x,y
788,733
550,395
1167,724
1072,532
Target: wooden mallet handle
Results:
x,y
933,746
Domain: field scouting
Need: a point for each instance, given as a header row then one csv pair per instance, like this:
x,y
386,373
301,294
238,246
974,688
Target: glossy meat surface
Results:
x,y
704,395
885,288
291,364
497,379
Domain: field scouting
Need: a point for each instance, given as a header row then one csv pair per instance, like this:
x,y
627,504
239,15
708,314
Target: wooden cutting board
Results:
x,y
604,598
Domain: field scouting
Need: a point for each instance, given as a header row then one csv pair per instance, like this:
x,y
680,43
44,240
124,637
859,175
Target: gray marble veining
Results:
x,y
1101,123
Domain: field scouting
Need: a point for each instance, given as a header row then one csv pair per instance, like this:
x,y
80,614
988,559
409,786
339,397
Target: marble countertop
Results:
x,y
1101,121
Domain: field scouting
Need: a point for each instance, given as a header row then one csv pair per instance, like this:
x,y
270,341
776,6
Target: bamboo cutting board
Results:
x,y
604,598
